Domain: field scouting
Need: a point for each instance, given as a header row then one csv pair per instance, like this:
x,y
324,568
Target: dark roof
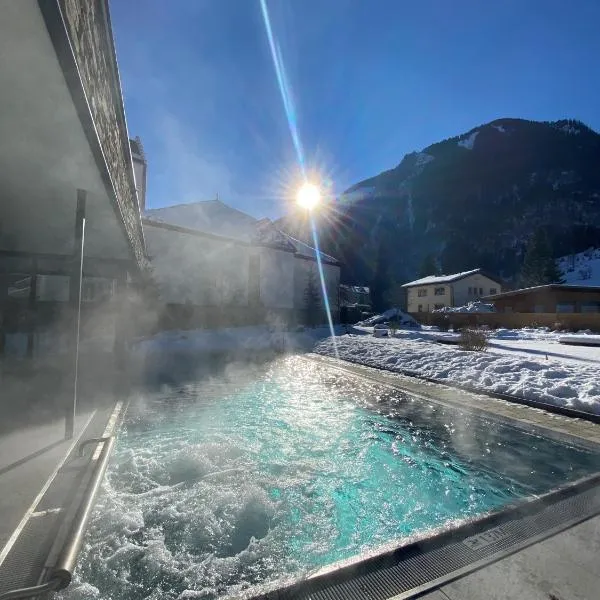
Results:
x,y
551,286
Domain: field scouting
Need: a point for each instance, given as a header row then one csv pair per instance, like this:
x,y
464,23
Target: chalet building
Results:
x,y
217,266
553,298
437,291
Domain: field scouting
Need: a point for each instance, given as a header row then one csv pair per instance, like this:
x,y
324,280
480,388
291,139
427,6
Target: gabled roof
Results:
x,y
550,286
215,218
432,279
210,216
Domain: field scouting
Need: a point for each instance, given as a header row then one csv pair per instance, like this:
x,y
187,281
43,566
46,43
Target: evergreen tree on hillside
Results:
x,y
312,298
381,278
428,266
539,266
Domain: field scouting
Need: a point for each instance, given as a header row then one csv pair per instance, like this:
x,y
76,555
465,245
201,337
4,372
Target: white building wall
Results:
x,y
197,270
277,278
457,293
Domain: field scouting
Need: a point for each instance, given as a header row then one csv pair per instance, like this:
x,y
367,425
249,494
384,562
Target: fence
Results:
x,y
563,321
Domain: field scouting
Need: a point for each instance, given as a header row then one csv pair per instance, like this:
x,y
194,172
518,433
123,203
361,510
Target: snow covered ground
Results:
x,y
529,363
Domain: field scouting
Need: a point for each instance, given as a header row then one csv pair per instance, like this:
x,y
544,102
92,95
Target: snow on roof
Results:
x,y
217,218
441,278
469,142
210,216
359,289
548,286
500,128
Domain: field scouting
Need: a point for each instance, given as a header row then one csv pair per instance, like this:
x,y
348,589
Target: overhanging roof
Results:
x,y
433,279
549,287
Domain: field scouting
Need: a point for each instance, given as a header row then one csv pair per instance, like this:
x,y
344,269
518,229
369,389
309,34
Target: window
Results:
x,y
422,292
481,291
590,307
493,291
565,307
470,291
420,309
440,291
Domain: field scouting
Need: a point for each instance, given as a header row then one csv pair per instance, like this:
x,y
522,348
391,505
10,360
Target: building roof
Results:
x,y
307,251
550,286
432,279
358,289
217,219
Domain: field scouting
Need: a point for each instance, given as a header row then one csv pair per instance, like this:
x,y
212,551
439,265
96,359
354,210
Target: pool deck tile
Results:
x,y
563,567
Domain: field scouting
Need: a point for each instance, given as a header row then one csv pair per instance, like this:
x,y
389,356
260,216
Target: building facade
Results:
x,y
438,291
252,275
552,298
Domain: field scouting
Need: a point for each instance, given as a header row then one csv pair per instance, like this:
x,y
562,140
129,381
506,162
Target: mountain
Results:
x,y
582,268
469,201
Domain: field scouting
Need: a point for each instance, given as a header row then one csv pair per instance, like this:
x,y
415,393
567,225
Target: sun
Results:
x,y
308,196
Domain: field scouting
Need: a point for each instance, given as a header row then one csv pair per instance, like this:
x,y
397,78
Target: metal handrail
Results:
x,y
80,451
52,585
67,559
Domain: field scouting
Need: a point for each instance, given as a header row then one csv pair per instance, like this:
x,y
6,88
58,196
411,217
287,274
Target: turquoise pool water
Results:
x,y
232,481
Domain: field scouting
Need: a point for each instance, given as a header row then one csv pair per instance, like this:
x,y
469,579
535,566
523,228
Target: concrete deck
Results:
x,y
563,567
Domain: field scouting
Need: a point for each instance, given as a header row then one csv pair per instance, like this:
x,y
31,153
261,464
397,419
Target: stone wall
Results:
x,y
89,30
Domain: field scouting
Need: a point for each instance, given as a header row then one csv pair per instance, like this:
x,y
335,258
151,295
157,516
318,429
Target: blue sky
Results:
x,y
371,80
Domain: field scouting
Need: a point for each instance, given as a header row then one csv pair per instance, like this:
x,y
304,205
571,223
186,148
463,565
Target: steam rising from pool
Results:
x,y
228,484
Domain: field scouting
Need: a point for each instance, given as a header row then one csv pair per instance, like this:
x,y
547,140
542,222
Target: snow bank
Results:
x,y
533,377
471,307
393,314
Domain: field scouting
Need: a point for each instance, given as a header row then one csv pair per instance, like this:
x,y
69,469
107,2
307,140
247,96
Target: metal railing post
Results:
x,y
75,305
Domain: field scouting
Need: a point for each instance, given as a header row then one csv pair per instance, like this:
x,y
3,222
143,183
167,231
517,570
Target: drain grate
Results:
x,y
423,565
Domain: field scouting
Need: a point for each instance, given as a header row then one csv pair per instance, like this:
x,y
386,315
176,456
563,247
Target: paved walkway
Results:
x,y
29,458
563,567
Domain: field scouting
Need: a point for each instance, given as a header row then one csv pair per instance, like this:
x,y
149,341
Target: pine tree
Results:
x,y
539,266
381,278
312,298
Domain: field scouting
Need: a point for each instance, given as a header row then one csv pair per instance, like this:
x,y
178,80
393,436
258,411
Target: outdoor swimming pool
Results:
x,y
266,472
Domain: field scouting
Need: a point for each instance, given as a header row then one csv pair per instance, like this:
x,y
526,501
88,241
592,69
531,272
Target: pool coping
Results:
x,y
556,426
361,577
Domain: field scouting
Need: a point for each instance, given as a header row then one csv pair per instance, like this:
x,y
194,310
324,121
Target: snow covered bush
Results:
x,y
474,339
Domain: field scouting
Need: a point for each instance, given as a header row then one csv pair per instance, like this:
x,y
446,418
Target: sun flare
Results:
x,y
308,196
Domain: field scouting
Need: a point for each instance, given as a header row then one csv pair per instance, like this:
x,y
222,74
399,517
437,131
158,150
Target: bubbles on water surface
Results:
x,y
240,485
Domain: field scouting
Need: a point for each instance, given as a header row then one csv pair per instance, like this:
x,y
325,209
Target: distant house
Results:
x,y
553,298
207,255
437,291
354,295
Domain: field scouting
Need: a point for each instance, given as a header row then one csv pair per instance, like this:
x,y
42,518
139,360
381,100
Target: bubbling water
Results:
x,y
223,486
